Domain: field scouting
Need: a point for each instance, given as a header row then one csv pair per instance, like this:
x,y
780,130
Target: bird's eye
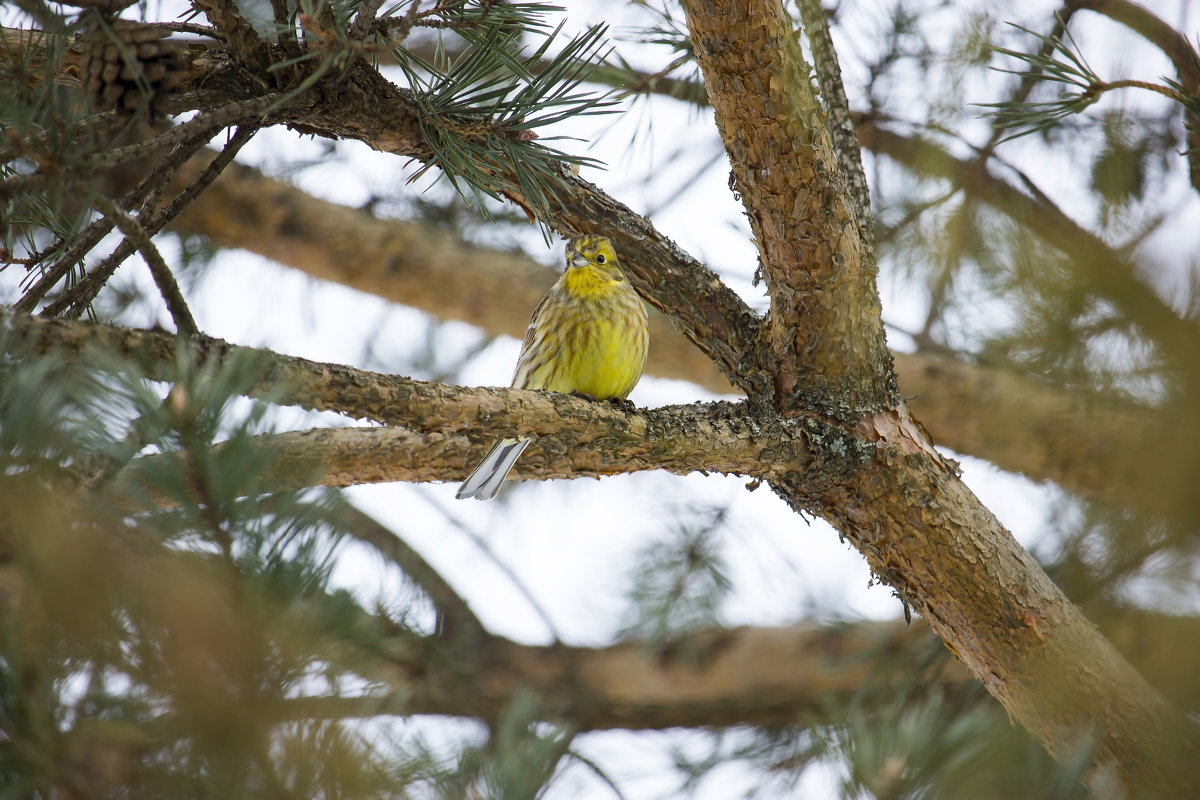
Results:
x,y
600,259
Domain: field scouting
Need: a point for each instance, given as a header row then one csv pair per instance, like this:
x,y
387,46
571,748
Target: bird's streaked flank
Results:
x,y
588,335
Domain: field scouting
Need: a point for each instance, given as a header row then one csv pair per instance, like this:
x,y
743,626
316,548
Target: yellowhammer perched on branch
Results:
x,y
588,335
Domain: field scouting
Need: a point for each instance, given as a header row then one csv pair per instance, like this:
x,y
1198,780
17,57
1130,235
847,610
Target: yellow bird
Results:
x,y
588,335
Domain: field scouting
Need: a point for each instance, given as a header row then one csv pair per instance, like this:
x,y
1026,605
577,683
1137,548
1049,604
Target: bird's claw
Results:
x,y
623,403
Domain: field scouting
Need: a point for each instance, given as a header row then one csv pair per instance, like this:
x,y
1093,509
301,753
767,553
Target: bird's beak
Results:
x,y
579,260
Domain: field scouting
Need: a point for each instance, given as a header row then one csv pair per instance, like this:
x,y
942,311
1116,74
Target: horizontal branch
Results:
x,y
747,676
1085,442
433,421
1081,441
573,438
1078,439
716,678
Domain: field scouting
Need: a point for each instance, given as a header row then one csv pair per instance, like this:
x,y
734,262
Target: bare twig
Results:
x,y
86,290
366,18
453,611
209,122
168,287
840,124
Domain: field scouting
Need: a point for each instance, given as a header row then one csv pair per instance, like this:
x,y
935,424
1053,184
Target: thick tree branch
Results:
x,y
714,678
574,436
1081,441
1087,443
905,508
924,533
758,676
744,676
826,346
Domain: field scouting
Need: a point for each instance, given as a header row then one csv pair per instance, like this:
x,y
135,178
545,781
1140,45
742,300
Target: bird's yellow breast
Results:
x,y
589,336
590,283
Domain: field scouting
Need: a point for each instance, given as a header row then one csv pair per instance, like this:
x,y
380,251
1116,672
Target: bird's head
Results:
x,y
596,252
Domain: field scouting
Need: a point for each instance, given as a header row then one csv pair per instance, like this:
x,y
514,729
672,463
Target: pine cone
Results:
x,y
130,65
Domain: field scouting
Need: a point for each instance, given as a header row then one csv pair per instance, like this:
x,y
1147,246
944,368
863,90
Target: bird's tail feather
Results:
x,y
485,480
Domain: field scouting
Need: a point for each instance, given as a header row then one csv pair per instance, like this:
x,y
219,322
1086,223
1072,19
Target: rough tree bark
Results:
x,y
746,676
902,505
818,380
1079,440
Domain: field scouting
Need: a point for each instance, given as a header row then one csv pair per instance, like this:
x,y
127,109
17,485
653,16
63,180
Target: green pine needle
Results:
x,y
479,113
1056,61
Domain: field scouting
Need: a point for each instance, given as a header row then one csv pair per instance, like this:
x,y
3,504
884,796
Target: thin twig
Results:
x,y
136,198
453,610
837,106
168,287
96,230
1174,46
209,121
240,137
486,549
22,184
86,290
190,27
366,18
144,195
1165,91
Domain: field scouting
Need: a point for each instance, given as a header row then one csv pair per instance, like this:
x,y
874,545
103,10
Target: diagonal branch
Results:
x,y
902,505
454,613
833,92
1097,265
168,287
